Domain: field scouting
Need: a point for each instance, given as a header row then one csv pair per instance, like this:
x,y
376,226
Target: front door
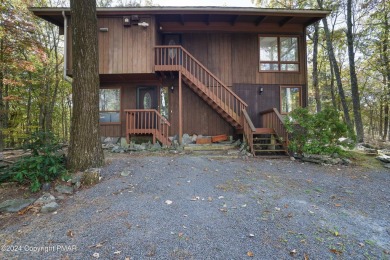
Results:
x,y
147,98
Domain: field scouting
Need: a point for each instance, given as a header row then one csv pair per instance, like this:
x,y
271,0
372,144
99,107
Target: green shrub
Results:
x,y
44,164
318,133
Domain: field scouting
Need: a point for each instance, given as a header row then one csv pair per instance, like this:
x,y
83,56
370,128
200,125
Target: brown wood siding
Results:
x,y
256,103
213,50
122,49
234,58
198,116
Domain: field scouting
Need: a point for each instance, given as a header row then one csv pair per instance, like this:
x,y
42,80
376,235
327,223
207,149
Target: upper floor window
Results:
x,y
278,53
109,105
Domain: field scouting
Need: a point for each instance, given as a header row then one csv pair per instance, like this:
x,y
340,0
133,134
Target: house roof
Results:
x,y
207,15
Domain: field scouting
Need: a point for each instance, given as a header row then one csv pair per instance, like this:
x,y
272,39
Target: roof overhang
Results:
x,y
206,15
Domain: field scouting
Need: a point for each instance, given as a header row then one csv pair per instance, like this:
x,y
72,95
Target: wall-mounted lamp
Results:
x,y
143,24
261,90
103,29
172,88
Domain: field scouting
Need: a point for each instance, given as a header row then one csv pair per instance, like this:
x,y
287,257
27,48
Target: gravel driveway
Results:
x,y
192,207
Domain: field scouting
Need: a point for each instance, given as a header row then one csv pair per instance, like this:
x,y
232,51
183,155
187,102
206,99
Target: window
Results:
x,y
109,105
290,99
164,106
278,54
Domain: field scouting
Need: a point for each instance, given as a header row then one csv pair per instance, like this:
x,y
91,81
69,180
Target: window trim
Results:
x,y
120,107
280,97
279,62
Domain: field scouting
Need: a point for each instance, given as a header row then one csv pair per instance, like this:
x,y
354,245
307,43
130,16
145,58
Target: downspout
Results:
x,y
66,78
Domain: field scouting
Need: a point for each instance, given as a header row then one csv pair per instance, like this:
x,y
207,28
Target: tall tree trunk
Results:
x,y
332,93
354,82
336,72
85,149
2,108
316,86
386,76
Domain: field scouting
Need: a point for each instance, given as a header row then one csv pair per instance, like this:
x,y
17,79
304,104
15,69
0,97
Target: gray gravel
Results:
x,y
221,209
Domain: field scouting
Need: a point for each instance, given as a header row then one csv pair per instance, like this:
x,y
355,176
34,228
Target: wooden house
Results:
x,y
166,71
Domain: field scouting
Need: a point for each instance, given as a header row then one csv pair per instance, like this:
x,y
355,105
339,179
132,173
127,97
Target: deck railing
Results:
x,y
147,121
249,130
271,118
176,58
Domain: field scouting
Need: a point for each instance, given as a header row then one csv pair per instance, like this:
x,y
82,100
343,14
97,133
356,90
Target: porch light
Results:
x,y
261,90
172,88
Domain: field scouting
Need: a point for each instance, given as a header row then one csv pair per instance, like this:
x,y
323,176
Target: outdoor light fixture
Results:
x,y
143,24
172,89
261,90
103,29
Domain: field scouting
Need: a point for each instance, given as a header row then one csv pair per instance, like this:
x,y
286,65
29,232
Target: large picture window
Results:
x,y
278,53
109,105
290,99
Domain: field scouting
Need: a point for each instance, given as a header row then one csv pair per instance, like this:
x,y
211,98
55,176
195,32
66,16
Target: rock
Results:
x,y
193,138
126,173
46,186
346,161
123,143
91,176
147,145
387,165
139,147
383,158
75,179
46,198
292,158
15,205
110,140
186,139
156,147
117,149
64,189
237,143
50,207
108,146
175,144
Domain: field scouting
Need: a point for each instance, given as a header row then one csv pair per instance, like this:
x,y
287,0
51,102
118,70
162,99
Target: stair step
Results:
x,y
274,150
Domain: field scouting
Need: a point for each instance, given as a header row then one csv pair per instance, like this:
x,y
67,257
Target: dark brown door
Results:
x,y
147,99
173,55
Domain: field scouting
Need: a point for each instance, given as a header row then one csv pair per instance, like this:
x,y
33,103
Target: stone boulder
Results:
x,y
15,205
383,158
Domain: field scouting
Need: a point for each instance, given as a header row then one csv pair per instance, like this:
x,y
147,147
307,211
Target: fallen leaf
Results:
x,y
250,254
69,233
180,234
96,255
387,252
337,205
311,212
336,233
361,244
305,256
127,258
168,202
223,210
251,235
117,252
210,199
98,244
293,252
220,197
277,209
243,206
335,251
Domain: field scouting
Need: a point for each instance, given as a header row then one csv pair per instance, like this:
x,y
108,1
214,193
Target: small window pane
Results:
x,y
268,66
288,49
109,99
291,99
268,48
289,67
109,105
147,101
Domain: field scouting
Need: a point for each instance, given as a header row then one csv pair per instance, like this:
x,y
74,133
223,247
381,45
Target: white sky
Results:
x,y
237,3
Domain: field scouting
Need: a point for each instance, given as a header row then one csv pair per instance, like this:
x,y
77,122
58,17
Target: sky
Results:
x,y
236,3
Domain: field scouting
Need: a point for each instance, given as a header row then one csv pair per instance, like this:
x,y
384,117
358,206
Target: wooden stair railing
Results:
x,y
248,130
147,121
271,118
204,83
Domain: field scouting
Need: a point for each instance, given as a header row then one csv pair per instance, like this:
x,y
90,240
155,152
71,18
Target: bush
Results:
x,y
44,164
319,133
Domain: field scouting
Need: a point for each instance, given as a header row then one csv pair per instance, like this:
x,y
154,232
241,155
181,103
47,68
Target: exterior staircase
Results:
x,y
215,93
273,139
267,142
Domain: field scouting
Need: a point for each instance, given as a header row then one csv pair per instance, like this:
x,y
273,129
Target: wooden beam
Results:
x,y
286,21
181,19
260,19
180,109
208,20
234,20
